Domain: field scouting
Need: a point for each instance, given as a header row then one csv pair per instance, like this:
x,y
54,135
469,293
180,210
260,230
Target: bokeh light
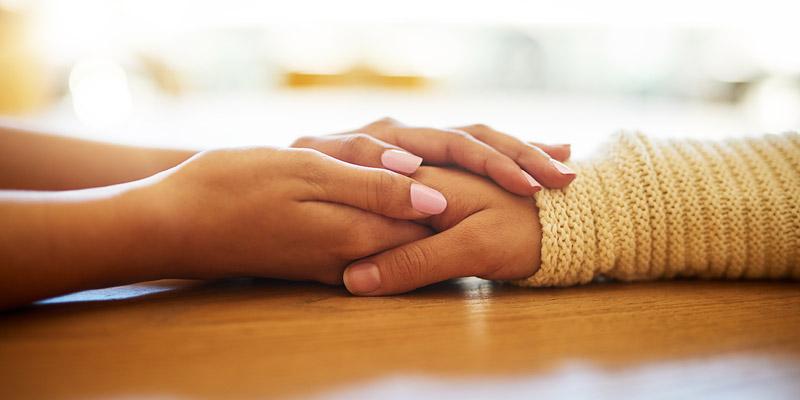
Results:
x,y
100,94
201,74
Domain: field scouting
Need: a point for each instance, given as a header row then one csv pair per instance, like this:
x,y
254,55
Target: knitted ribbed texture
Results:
x,y
652,209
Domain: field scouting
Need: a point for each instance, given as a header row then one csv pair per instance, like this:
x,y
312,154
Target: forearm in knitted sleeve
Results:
x,y
656,209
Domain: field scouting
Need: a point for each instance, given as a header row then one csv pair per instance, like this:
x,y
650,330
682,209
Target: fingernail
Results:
x,y
562,168
427,200
531,181
400,161
362,278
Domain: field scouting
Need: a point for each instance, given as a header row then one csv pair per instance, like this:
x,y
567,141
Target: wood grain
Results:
x,y
256,338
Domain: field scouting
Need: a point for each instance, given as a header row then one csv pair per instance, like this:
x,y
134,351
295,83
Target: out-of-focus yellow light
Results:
x,y
100,93
23,80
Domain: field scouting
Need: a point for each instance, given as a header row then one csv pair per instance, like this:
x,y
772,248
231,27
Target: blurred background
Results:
x,y
237,72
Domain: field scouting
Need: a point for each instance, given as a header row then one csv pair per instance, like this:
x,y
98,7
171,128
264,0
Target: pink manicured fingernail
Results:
x,y
427,200
400,161
561,167
532,181
362,278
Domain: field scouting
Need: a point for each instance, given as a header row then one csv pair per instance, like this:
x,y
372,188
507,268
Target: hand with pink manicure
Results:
x,y
477,237
485,232
343,211
281,213
520,167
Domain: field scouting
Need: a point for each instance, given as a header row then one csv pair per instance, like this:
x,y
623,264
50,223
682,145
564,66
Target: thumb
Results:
x,y
450,254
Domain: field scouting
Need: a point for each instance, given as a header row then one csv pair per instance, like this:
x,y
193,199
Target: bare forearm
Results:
x,y
38,161
54,243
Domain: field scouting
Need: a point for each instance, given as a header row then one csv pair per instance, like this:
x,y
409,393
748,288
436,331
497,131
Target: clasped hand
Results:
x,y
357,208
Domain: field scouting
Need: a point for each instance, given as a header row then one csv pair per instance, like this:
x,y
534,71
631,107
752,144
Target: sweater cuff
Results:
x,y
651,209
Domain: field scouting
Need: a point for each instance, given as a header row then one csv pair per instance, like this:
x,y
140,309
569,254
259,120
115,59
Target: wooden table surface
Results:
x,y
461,339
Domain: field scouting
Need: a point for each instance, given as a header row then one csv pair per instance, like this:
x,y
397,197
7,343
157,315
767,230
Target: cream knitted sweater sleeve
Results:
x,y
653,209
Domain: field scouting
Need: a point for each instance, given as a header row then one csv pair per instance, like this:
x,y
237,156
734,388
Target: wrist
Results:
x,y
61,242
140,218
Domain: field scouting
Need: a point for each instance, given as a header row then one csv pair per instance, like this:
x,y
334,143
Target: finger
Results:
x,y
450,254
560,152
547,170
376,190
377,233
448,147
367,234
362,149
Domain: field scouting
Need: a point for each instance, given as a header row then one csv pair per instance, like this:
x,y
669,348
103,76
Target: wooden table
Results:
x,y
461,339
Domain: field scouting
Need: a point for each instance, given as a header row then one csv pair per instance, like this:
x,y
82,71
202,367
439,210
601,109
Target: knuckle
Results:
x,y
305,165
382,124
354,146
379,186
480,127
460,138
410,263
303,141
307,159
359,140
387,121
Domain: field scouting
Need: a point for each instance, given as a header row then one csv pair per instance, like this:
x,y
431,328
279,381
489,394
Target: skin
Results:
x,y
484,232
476,148
279,213
32,160
479,212
177,237
95,215
219,214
